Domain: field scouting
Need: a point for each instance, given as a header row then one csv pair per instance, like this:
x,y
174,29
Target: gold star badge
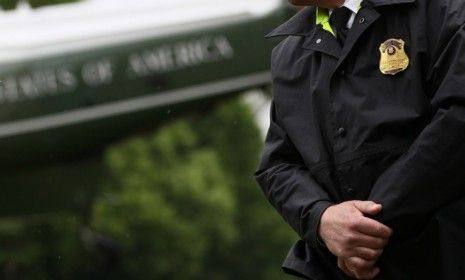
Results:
x,y
393,57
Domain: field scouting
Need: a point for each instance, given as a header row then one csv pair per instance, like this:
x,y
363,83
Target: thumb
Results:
x,y
368,207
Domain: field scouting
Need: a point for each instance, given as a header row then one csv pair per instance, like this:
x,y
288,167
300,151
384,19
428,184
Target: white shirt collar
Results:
x,y
353,5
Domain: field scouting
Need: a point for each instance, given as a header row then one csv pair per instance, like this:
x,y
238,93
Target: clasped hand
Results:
x,y
356,240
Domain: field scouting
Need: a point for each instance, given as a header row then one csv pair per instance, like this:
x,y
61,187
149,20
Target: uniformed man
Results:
x,y
365,154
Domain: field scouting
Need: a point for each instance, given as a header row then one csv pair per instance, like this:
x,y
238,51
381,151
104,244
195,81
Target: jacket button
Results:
x,y
361,20
351,192
342,132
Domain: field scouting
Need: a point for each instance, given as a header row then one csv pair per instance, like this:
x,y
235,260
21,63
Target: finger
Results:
x,y
373,228
365,253
365,271
370,242
368,207
359,264
341,264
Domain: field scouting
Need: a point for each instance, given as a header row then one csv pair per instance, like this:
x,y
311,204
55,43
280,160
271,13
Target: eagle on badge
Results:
x,y
394,59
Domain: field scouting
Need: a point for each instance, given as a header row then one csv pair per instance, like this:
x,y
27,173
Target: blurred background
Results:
x,y
129,134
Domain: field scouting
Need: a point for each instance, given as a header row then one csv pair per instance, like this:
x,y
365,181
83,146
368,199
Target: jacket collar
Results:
x,y
304,22
301,24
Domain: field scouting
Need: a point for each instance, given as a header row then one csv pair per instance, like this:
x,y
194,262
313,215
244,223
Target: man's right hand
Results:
x,y
349,234
330,4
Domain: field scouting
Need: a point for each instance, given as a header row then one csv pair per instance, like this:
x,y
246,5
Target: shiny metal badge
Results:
x,y
393,57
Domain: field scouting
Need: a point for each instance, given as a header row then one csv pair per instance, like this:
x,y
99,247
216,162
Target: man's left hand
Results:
x,y
359,268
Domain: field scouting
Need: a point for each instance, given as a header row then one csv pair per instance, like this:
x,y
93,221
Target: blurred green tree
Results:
x,y
263,236
177,203
39,247
8,4
41,3
183,203
12,4
168,199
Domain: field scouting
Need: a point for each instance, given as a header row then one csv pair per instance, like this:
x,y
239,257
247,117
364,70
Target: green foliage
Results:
x,y
178,203
8,4
12,4
184,205
264,238
168,198
38,248
40,3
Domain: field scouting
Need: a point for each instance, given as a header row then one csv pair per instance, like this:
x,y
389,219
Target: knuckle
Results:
x,y
359,264
350,238
340,252
380,243
345,254
369,254
352,262
383,242
354,224
373,254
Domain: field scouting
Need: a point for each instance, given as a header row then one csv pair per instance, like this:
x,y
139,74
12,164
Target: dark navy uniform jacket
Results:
x,y
342,130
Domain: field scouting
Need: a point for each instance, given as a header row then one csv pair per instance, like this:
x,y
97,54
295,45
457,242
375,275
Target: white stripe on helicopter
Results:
x,y
77,116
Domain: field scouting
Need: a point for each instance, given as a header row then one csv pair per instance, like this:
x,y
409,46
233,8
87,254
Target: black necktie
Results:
x,y
338,19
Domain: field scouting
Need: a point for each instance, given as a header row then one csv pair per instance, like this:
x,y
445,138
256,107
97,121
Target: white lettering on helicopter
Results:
x,y
98,73
179,56
95,73
37,84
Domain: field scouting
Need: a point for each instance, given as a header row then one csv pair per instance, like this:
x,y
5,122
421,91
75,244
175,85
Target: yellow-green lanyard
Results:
x,y
322,17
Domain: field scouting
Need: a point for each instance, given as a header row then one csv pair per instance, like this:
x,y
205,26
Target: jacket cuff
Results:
x,y
312,236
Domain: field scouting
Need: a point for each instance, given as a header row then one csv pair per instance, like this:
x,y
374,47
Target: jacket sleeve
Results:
x,y
288,184
431,174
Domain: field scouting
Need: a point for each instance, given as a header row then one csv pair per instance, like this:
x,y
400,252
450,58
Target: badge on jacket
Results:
x,y
393,57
